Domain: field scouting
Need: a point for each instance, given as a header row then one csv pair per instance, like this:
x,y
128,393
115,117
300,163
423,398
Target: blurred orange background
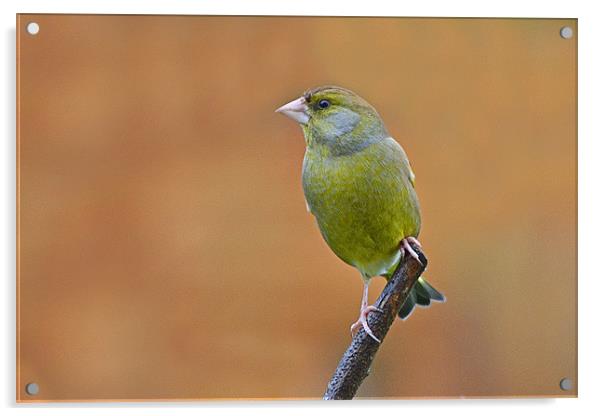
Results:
x,y
165,251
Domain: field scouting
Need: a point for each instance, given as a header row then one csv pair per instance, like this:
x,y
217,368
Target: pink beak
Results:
x,y
297,110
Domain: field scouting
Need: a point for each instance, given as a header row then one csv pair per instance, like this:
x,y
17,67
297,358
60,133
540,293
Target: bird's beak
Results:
x,y
297,110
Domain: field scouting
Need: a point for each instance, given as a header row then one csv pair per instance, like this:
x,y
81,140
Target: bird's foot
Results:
x,y
363,321
405,247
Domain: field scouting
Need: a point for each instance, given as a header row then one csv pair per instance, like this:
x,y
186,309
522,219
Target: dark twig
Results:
x,y
355,364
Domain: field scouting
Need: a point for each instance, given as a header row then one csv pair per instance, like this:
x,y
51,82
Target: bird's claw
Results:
x,y
415,241
363,322
406,247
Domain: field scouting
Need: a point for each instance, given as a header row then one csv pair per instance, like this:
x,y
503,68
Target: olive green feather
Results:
x,y
359,185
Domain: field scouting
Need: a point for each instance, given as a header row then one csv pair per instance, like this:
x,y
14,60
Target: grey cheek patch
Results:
x,y
342,122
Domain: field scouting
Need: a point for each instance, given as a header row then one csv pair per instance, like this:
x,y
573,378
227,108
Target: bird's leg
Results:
x,y
364,311
406,247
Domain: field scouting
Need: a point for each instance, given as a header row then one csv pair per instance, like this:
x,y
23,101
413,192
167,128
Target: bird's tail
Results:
x,y
421,294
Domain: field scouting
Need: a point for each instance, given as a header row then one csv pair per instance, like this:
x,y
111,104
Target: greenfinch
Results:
x,y
359,185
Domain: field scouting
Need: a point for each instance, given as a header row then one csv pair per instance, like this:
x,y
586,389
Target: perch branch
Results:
x,y
354,367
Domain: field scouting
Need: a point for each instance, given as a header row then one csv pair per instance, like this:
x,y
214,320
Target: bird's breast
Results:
x,y
363,203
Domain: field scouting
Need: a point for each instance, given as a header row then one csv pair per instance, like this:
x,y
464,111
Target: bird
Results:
x,y
359,186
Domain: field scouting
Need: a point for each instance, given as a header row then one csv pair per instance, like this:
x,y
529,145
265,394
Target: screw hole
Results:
x,y
33,28
566,32
566,384
32,389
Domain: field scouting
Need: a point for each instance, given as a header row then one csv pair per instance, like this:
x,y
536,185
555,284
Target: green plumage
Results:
x,y
359,185
364,203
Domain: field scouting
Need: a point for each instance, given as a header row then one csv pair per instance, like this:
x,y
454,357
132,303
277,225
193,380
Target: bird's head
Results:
x,y
336,117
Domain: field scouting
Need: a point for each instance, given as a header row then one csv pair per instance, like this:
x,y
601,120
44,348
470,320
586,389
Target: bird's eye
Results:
x,y
324,104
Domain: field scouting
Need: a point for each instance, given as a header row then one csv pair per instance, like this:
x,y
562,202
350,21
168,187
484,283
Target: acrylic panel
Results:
x,y
165,251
